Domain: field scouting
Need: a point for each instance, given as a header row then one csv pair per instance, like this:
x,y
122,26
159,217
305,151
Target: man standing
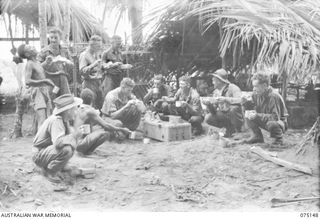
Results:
x,y
54,48
187,105
89,66
225,109
95,131
55,141
112,62
37,81
121,108
47,58
154,96
270,111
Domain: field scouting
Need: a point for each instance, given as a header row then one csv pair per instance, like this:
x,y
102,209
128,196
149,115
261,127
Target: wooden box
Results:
x,y
166,131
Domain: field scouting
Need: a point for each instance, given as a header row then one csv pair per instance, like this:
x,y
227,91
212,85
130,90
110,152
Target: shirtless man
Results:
x,y
36,79
95,131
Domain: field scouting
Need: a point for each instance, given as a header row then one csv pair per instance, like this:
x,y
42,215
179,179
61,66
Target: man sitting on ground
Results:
x,y
121,108
92,126
187,105
55,141
270,111
154,96
225,109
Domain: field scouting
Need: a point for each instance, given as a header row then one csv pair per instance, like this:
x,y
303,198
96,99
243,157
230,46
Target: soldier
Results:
x,y
270,111
55,141
95,131
186,103
154,96
90,69
225,109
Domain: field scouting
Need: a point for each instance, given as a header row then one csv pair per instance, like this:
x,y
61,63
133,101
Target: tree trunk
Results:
x,y
135,15
27,33
104,14
17,132
66,28
43,22
223,58
284,86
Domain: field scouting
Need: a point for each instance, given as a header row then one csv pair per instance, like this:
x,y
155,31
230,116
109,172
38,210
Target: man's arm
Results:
x,y
59,137
35,83
118,114
275,110
42,55
92,115
147,97
175,98
195,106
85,67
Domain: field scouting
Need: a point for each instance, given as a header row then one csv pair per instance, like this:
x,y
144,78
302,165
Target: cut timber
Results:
x,y
266,155
282,200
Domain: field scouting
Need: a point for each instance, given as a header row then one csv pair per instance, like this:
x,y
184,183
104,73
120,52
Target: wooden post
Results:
x,y
223,58
66,26
255,45
43,22
284,86
135,14
234,55
27,33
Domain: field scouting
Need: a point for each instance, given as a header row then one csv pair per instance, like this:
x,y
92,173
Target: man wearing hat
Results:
x,y
155,94
55,142
189,107
225,109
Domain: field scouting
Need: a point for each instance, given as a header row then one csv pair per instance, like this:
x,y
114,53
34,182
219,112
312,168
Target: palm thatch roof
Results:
x,y
284,32
83,24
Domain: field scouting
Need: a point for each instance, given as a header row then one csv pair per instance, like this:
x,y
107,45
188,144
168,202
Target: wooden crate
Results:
x,y
166,131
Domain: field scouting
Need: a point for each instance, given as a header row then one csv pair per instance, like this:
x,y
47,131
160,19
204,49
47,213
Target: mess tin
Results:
x,y
178,103
86,129
247,113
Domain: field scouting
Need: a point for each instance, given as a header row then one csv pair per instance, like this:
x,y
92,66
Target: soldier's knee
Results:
x,y
272,125
164,105
67,151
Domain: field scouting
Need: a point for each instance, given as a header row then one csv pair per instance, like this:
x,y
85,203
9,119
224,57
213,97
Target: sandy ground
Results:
x,y
193,175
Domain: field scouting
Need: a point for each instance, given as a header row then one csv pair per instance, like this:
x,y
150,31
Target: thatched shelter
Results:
x,y
82,23
284,34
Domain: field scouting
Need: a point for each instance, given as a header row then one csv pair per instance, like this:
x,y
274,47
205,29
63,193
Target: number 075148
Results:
x,y
308,215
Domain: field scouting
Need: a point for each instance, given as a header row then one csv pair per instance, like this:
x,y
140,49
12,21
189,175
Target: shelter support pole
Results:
x,y
27,33
66,27
284,86
43,22
223,58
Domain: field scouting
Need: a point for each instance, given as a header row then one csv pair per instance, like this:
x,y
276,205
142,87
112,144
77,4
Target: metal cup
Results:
x,y
146,140
55,89
86,129
155,90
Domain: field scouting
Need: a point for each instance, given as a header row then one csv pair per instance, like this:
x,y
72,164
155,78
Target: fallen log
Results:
x,y
282,200
287,164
